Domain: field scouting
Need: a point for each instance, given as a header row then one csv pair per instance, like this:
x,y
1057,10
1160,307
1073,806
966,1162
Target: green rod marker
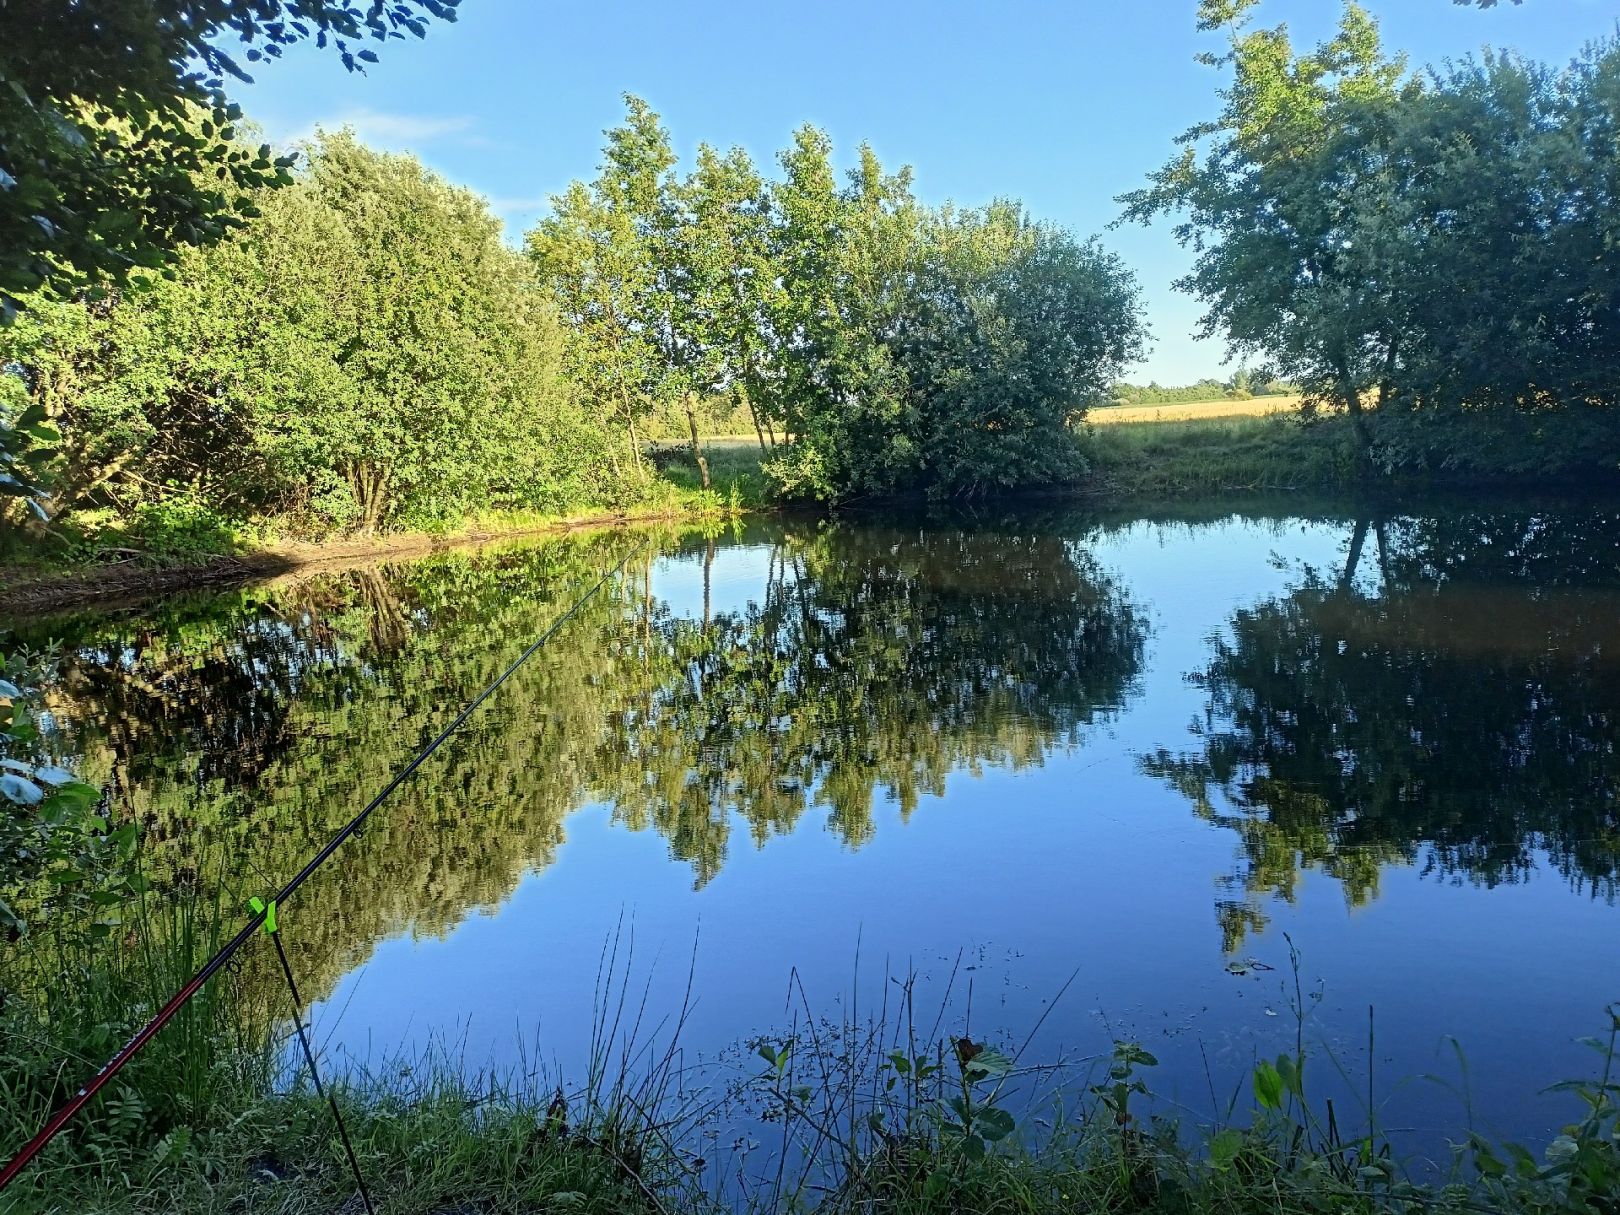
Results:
x,y
257,905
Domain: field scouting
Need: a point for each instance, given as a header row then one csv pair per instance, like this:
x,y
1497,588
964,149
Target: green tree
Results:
x,y
1431,256
807,318
1505,172
945,352
728,288
366,353
1011,332
599,253
1282,197
117,143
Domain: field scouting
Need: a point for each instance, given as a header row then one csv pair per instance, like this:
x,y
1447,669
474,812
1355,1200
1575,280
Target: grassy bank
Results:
x,y
1201,456
109,557
887,1132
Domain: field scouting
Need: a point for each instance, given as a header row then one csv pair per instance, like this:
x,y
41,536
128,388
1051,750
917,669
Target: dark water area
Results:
x,y
1127,760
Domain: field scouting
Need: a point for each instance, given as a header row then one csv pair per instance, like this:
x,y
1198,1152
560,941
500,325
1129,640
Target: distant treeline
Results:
x,y
1239,387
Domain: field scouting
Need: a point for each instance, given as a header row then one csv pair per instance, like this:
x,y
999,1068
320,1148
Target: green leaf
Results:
x,y
1268,1086
1290,1073
993,1123
986,1065
1224,1148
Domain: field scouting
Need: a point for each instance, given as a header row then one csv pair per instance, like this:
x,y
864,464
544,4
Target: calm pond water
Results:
x,y
994,753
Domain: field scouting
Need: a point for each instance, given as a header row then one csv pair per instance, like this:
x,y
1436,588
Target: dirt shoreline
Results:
x,y
29,591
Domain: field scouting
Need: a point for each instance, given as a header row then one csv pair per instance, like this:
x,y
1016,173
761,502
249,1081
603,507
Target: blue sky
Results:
x,y
1061,104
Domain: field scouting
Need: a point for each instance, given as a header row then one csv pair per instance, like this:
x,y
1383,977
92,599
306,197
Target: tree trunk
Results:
x,y
1357,541
630,427
708,584
753,415
697,448
1351,399
368,484
635,442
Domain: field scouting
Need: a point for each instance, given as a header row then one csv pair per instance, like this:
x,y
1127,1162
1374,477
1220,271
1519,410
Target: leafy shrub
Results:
x,y
182,525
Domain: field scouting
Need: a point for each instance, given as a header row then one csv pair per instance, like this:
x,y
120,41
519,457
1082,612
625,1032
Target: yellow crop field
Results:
x,y
1185,411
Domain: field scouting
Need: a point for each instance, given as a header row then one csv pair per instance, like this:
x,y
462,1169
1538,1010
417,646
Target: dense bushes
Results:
x,y
880,346
367,354
998,334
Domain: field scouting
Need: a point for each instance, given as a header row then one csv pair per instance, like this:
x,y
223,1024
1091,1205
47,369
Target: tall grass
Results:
x,y
877,1111
218,1113
734,472
884,1116
1220,455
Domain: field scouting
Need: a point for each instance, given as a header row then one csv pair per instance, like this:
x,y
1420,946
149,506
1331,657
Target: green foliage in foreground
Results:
x,y
56,848
873,1119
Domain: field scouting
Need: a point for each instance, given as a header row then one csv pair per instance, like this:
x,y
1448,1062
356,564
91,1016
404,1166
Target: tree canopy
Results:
x,y
1425,253
892,347
366,353
117,141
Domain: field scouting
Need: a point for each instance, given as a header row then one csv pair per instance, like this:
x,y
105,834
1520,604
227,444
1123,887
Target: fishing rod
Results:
x,y
261,912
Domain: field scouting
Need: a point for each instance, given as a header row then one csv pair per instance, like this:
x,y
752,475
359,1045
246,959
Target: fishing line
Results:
x,y
210,968
321,1090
